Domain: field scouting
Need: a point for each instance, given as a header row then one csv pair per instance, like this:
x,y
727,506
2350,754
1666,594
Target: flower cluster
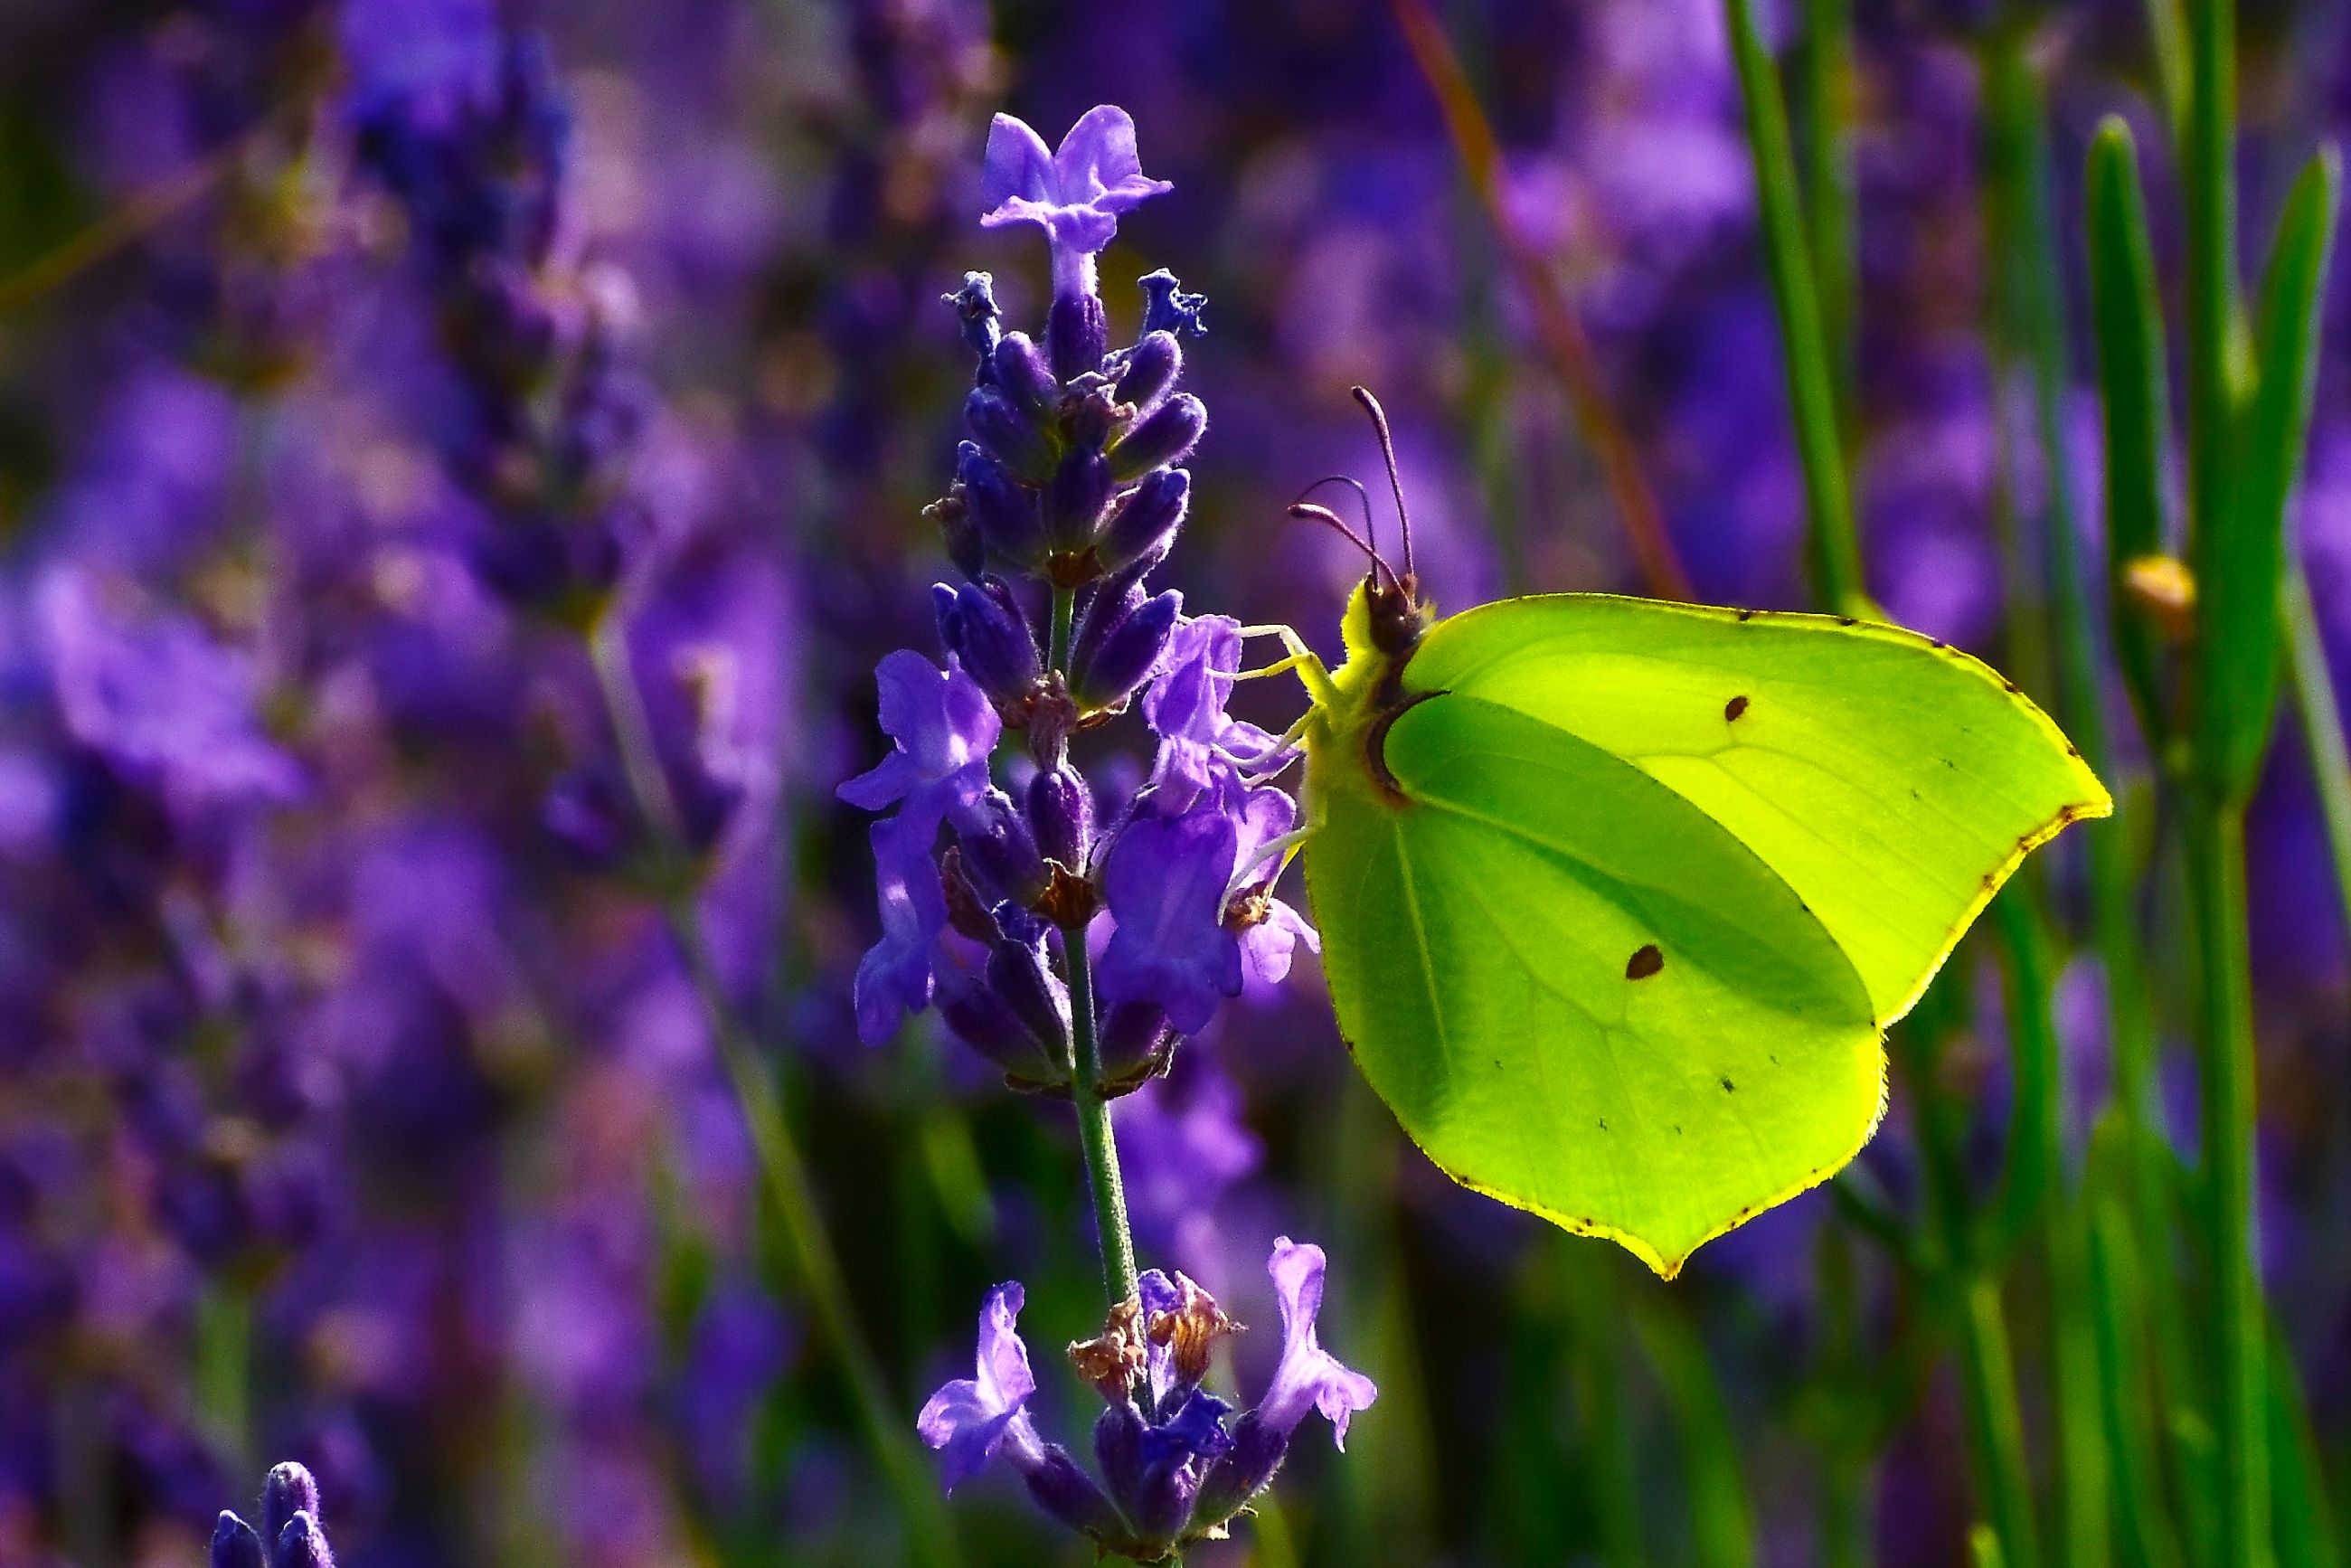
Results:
x,y
290,1535
1173,1470
1068,494
547,413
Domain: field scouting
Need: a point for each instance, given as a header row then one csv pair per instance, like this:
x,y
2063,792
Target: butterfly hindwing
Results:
x,y
1579,993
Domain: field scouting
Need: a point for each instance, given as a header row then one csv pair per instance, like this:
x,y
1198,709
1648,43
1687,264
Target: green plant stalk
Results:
x,y
1996,1425
1833,546
1720,1519
2144,1534
1822,67
2305,1532
782,1167
1096,1137
2216,830
2322,724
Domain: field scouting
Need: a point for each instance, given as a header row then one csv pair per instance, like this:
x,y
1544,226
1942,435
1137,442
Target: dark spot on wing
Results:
x,y
1728,1087
1644,963
1677,1129
1733,708
2013,689
1603,1123
1748,614
1848,620
1938,643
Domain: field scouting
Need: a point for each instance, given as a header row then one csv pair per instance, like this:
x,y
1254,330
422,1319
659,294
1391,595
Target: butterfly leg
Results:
x,y
1302,659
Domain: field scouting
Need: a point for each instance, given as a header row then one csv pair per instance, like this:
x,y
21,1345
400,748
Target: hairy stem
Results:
x,y
782,1164
1095,1132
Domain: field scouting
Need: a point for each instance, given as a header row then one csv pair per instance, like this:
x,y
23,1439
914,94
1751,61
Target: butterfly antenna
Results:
x,y
1387,453
1362,500
1308,512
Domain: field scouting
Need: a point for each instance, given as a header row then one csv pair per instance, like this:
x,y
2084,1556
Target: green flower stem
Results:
x,y
2216,869
1811,386
782,1164
1095,1133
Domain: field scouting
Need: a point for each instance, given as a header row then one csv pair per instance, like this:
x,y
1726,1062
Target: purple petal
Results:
x,y
1098,163
1164,884
1018,165
1309,1377
895,975
888,781
1187,700
1003,1358
968,1419
1269,945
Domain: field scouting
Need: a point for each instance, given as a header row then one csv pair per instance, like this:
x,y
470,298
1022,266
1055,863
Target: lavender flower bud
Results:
x,y
1126,653
288,1490
1075,501
974,306
958,532
1077,334
1070,1495
998,851
1016,973
1002,431
1093,414
1004,514
234,1545
1166,436
982,626
1152,367
1021,375
968,911
1061,816
301,1545
1240,1472
1166,308
1118,1451
1145,524
1137,1043
984,1021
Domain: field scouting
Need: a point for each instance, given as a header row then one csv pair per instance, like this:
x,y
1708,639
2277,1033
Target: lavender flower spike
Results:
x,y
1075,193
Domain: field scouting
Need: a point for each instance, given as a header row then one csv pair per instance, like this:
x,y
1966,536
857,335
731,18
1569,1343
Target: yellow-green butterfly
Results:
x,y
1618,897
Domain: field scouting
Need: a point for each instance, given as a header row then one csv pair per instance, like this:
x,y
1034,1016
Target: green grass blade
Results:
x,y
1996,1425
2238,572
2134,391
2029,969
2305,1526
2145,1536
2322,722
1833,547
1821,69
1720,1519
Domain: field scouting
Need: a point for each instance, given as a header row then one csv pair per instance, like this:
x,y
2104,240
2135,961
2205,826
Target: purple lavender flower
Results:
x,y
1164,884
1173,1470
896,975
969,1419
944,729
1075,193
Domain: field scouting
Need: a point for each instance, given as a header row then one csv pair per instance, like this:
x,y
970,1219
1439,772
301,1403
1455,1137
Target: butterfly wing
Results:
x,y
1892,781
1579,993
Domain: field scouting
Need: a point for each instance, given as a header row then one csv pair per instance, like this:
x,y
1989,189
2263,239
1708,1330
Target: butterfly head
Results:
x,y
1388,613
